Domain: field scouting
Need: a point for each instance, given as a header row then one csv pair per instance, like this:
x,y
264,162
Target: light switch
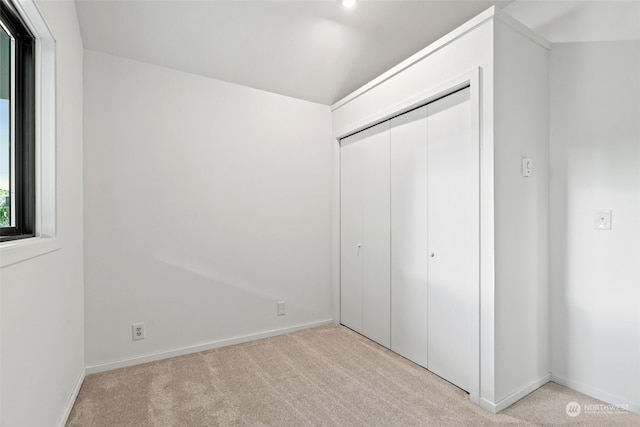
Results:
x,y
602,220
527,167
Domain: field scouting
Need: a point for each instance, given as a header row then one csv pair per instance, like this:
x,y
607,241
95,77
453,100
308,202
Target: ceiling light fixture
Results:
x,y
348,3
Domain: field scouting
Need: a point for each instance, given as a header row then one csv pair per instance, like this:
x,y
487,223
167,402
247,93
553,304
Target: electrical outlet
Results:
x,y
137,331
281,308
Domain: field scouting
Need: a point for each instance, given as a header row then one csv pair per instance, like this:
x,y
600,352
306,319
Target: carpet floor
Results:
x,y
326,376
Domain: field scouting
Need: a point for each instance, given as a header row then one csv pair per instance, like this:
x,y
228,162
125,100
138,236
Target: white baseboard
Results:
x,y
514,397
72,399
596,393
137,360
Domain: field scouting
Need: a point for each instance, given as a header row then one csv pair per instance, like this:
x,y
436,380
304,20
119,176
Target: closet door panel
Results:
x,y
452,219
376,237
409,255
352,158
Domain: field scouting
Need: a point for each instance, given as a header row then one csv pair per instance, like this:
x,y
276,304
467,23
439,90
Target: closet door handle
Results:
x,y
432,254
359,246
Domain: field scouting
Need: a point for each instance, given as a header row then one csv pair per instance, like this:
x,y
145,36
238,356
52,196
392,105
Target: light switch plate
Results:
x,y
602,220
527,167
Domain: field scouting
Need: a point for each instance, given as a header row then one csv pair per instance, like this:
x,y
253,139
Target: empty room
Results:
x,y
319,212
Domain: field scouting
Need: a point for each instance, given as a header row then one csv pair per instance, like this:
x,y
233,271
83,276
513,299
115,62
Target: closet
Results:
x,y
408,214
477,311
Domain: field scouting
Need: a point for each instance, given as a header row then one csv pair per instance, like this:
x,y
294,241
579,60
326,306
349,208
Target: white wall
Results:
x,y
595,164
205,204
521,212
42,298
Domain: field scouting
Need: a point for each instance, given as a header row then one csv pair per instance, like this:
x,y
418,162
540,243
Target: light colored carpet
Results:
x,y
327,376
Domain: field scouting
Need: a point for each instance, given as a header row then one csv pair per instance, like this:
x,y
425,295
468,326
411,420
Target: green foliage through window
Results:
x,y
5,218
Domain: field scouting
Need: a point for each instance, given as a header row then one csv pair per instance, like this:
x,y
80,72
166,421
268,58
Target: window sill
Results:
x,y
15,251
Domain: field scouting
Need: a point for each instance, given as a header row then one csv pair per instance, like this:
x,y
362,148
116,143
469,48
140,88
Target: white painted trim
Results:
x,y
494,408
474,315
335,230
72,399
433,47
153,357
487,406
16,251
423,98
596,393
29,10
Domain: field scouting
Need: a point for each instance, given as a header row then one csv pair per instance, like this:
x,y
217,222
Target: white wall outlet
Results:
x,y
281,308
137,331
602,220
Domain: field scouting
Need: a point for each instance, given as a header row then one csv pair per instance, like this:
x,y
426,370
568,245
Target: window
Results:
x,y
17,126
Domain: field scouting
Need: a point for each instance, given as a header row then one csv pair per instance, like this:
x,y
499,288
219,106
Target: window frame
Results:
x,y
24,125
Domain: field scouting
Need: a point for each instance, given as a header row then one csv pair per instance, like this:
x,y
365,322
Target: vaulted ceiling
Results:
x,y
316,50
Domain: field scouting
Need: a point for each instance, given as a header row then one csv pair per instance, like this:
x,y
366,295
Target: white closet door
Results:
x,y
365,233
352,158
452,223
376,231
409,255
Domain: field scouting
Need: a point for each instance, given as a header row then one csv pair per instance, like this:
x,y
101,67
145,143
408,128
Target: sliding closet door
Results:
x,y
453,236
365,233
409,260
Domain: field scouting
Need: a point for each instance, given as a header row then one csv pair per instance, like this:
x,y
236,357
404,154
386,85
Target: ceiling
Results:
x,y
579,20
315,50
318,50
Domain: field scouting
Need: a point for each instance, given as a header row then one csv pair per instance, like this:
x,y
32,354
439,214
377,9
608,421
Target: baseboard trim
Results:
x,y
494,408
153,357
72,399
596,393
